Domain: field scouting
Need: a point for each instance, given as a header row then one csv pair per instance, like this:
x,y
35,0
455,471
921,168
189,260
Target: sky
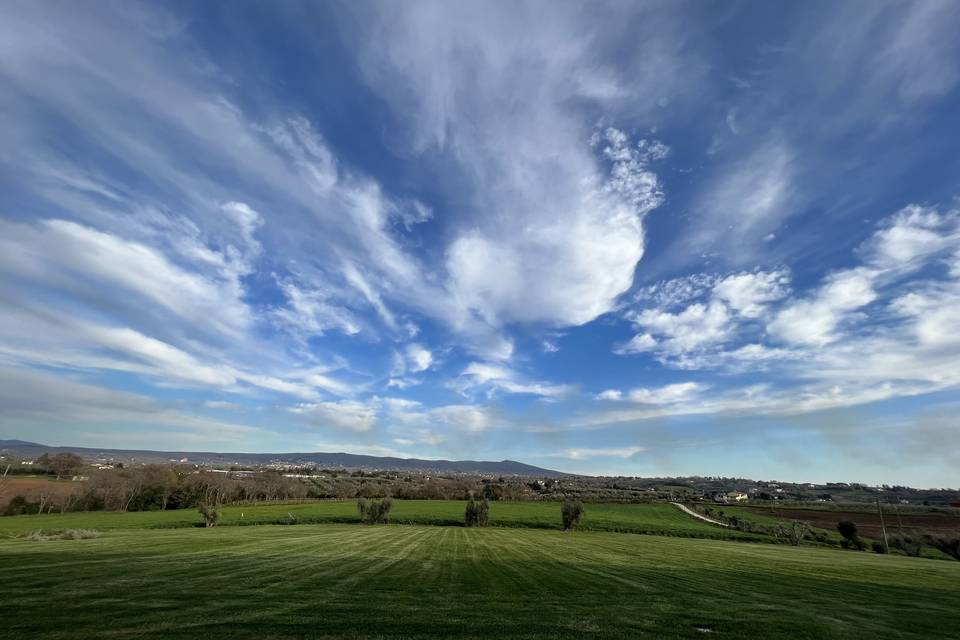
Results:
x,y
645,239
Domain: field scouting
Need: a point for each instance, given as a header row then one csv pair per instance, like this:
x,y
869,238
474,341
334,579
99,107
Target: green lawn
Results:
x,y
353,581
658,519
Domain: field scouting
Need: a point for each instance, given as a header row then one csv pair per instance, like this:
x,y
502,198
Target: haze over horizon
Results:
x,y
657,239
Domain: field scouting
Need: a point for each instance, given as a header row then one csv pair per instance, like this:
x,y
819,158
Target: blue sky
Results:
x,y
645,239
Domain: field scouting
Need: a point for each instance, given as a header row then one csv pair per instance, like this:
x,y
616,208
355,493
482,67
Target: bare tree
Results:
x,y
794,531
3,479
65,464
210,513
162,480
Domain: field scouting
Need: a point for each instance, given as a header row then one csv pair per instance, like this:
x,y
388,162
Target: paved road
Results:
x,y
693,513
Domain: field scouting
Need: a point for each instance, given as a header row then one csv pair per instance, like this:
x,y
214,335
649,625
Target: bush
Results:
x,y
210,513
80,534
375,511
910,544
878,547
69,534
946,543
572,513
477,513
19,506
851,538
793,531
847,529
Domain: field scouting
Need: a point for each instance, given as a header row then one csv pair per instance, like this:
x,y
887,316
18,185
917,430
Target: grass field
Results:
x,y
658,518
353,581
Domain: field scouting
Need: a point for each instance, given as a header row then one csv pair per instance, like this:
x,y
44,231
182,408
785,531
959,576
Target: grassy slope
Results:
x,y
410,581
662,519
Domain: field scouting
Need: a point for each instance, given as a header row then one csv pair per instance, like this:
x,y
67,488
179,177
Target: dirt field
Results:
x,y
32,486
867,523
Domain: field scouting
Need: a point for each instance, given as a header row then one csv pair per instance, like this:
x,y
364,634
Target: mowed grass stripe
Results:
x,y
409,581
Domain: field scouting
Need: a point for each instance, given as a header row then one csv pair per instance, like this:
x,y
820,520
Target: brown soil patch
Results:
x,y
868,523
33,486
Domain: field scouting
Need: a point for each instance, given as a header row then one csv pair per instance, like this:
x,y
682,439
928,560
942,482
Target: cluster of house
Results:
x,y
730,496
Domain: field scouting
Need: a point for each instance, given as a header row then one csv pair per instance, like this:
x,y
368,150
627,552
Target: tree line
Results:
x,y
155,487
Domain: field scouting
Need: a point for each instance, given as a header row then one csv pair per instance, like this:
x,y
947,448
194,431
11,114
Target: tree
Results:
x,y
851,537
210,513
794,531
160,481
60,464
477,513
571,511
374,511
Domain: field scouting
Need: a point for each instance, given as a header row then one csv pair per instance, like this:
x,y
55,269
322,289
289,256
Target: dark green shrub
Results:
x,y
847,529
946,543
571,512
910,544
375,511
19,506
878,547
477,513
851,538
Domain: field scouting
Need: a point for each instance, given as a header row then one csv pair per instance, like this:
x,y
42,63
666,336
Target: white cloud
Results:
x,y
814,320
881,330
34,401
96,266
220,404
343,414
329,384
418,358
553,232
694,314
461,417
745,202
677,292
610,394
637,344
696,326
912,236
497,377
311,311
748,293
667,394
584,453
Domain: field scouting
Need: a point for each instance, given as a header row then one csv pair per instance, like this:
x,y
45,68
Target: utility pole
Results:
x,y
886,545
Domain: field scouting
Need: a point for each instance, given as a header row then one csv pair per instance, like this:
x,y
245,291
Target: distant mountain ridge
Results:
x,y
327,460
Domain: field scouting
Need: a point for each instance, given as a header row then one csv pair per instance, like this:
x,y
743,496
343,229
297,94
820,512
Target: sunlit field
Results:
x,y
343,580
161,574
660,519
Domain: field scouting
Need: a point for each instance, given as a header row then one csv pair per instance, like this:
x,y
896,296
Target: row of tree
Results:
x,y
155,488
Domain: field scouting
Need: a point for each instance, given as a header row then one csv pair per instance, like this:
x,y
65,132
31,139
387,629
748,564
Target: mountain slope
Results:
x,y
321,459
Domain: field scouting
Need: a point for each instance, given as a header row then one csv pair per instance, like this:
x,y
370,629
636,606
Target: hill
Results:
x,y
341,460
